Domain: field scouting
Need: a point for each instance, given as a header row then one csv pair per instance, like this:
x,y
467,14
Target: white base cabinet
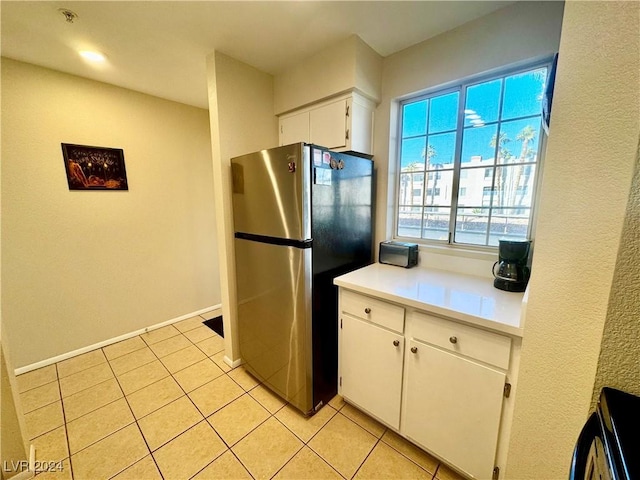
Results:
x,y
438,382
453,407
372,368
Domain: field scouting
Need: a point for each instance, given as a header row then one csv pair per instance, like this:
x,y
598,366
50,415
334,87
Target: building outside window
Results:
x,y
479,146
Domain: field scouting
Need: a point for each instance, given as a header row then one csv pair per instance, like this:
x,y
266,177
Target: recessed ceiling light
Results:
x,y
92,56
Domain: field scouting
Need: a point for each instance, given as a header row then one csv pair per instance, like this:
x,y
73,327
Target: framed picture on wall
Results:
x,y
94,168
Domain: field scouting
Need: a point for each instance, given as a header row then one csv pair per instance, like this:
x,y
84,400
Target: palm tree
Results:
x,y
526,136
504,155
408,172
430,153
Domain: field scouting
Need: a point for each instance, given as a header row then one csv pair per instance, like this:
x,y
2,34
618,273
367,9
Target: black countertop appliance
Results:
x,y
511,272
609,444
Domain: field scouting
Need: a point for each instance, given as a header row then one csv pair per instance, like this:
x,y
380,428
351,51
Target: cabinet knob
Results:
x,y
367,310
396,343
414,349
453,339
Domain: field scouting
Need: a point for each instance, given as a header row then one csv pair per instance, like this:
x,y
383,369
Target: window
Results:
x,y
478,144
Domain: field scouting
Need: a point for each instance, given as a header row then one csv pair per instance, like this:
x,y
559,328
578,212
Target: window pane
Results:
x,y
412,154
496,160
523,94
509,224
411,188
409,221
514,186
440,150
476,183
522,140
439,186
414,119
483,103
478,145
471,225
436,223
444,113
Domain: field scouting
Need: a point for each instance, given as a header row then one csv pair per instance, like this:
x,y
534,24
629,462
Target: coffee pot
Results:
x,y
510,272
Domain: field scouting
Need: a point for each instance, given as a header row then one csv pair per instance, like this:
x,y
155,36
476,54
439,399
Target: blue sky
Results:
x,y
436,117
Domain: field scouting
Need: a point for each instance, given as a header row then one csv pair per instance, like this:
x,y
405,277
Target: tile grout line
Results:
x,y
204,417
135,420
42,406
366,457
64,420
207,419
192,402
354,422
38,386
306,444
287,462
124,354
433,475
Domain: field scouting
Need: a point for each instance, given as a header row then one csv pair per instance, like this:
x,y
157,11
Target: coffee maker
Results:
x,y
510,271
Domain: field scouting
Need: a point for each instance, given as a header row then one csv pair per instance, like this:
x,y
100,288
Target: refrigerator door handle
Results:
x,y
286,242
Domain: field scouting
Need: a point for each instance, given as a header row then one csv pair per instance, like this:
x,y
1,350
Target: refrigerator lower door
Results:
x,y
274,318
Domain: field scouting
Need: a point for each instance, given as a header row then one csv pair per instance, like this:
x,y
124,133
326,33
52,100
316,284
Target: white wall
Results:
x,y
587,176
12,445
344,66
81,267
242,121
512,34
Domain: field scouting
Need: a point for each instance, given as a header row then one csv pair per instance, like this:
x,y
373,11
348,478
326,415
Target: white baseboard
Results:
x,y
104,343
232,363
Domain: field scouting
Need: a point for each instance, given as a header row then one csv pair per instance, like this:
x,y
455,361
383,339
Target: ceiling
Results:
x,y
160,47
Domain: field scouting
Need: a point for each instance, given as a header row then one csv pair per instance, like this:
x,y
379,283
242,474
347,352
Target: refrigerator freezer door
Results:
x,y
271,193
341,227
274,317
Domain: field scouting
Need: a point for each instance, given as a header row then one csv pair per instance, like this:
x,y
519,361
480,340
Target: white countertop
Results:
x,y
467,298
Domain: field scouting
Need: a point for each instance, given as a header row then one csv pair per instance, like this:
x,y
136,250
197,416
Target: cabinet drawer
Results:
x,y
488,347
376,311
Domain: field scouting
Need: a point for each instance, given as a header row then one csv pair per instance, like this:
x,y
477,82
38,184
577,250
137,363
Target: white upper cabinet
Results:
x,y
294,128
343,123
328,125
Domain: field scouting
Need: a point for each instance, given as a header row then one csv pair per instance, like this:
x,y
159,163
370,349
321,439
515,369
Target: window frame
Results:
x,y
461,86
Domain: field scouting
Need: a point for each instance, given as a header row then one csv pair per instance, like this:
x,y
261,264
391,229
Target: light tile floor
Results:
x,y
165,405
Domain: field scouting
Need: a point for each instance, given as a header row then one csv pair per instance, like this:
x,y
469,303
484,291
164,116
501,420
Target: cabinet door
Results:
x,y
361,128
328,125
371,368
453,407
294,129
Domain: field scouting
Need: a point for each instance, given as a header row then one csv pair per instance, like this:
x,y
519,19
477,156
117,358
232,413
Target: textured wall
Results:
x,y
586,181
619,362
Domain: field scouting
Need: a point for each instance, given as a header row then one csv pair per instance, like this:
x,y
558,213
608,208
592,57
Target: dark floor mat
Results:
x,y
215,324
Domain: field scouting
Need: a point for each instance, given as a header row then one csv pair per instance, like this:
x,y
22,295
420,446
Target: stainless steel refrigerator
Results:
x,y
302,216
